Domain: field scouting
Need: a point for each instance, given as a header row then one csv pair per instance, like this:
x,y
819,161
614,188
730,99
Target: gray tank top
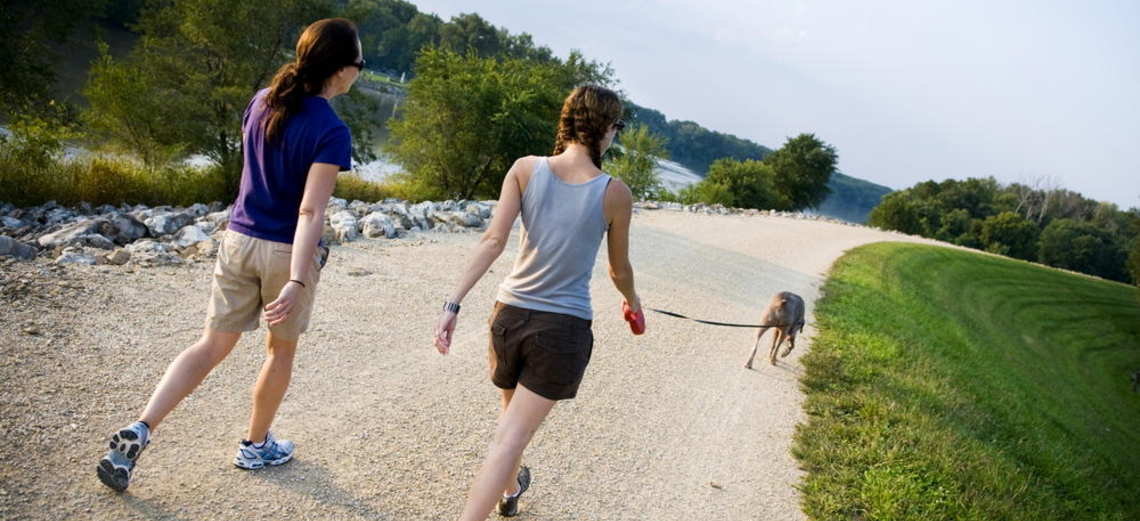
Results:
x,y
562,228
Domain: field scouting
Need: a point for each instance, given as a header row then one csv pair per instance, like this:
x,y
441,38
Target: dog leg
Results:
x,y
760,333
776,341
791,345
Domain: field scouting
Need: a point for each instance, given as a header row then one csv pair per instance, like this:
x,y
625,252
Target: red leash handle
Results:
x,y
636,320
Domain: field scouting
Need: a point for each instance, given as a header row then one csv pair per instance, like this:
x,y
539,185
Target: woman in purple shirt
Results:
x,y
270,258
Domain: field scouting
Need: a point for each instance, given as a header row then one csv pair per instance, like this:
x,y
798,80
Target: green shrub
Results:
x,y
104,180
1081,246
1008,233
351,187
707,192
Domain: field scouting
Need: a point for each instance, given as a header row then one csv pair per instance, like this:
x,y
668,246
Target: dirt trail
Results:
x,y
667,426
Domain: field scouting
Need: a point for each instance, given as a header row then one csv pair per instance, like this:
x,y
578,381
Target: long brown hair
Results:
x,y
323,49
587,114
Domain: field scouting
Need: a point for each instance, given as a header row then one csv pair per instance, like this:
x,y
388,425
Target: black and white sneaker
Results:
x,y
252,456
509,506
115,468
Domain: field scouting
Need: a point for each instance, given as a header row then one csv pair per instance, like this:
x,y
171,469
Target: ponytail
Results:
x,y
285,98
325,47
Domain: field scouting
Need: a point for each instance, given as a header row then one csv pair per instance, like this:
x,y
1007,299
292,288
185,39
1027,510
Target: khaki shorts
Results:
x,y
250,274
545,352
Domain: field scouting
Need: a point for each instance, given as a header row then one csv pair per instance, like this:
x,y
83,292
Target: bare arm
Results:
x,y
619,211
310,226
490,246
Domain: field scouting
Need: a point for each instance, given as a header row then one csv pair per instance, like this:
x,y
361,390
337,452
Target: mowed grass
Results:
x,y
951,385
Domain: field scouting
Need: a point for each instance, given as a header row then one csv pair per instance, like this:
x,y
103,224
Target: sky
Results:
x,y
1039,92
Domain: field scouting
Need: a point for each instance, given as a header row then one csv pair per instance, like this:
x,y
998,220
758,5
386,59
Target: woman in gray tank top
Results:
x,y
540,330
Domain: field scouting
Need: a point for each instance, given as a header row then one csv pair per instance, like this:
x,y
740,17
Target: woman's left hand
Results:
x,y
444,331
277,312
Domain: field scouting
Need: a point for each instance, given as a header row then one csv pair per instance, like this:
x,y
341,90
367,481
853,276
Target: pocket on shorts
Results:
x,y
565,343
564,355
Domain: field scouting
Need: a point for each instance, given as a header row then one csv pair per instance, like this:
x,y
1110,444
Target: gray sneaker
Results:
x,y
509,506
272,451
115,468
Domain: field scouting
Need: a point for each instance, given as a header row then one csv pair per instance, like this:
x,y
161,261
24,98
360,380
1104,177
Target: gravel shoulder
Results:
x,y
666,426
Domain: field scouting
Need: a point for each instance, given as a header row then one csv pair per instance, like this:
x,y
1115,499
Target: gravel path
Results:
x,y
666,426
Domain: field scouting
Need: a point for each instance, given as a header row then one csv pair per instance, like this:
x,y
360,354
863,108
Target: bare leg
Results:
x,y
512,484
271,385
186,372
524,413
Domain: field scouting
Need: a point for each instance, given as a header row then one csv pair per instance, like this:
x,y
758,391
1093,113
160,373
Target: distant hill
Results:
x,y
692,145
851,199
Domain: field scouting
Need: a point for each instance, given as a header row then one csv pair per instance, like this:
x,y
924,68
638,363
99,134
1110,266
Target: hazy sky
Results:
x,y
906,91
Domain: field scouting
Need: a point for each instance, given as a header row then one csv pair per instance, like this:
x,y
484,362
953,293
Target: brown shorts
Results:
x,y
250,274
545,352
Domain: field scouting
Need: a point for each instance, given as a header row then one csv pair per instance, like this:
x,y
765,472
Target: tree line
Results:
x,y
1035,222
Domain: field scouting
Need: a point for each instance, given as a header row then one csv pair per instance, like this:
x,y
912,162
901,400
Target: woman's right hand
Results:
x,y
634,304
632,313
444,332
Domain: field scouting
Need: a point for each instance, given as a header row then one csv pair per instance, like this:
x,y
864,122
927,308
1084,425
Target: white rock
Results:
x,y
166,223
345,225
377,225
189,236
75,256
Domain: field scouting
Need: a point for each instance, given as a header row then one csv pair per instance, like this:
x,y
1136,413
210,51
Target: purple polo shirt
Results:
x,y
273,178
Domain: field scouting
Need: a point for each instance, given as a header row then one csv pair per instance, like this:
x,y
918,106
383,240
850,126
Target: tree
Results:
x,y
1080,246
957,226
468,118
897,211
635,160
747,184
1010,233
1134,263
28,30
378,22
398,48
124,110
469,31
803,166
201,62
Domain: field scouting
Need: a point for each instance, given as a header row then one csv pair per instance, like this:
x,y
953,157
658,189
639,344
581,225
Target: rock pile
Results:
x,y
166,235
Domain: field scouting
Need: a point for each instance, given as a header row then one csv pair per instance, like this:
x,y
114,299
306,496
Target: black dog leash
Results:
x,y
709,322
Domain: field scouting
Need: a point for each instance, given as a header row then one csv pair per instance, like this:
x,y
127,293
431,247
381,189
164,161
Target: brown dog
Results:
x,y
785,314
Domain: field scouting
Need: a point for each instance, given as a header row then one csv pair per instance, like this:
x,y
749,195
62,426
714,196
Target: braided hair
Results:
x,y
586,116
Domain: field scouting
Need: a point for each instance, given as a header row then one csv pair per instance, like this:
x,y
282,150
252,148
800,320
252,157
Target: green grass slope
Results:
x,y
951,385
